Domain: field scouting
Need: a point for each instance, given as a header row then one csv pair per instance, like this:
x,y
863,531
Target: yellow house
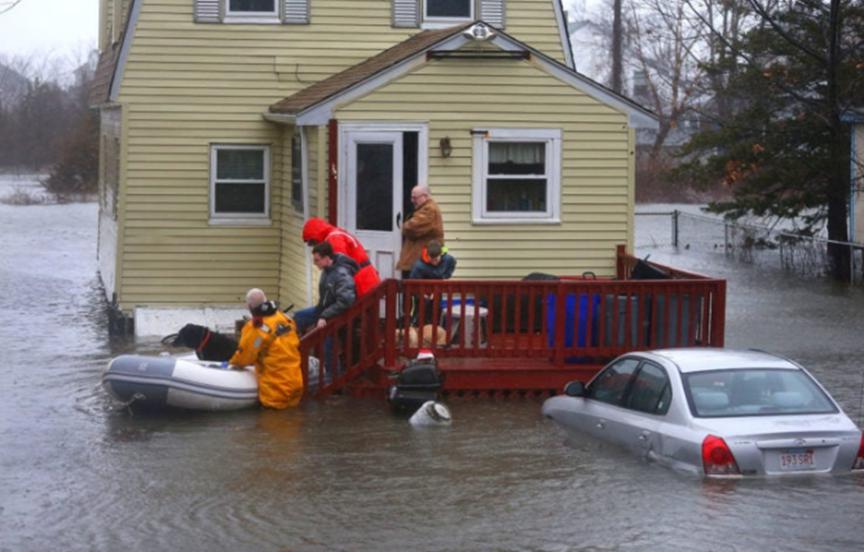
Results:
x,y
226,123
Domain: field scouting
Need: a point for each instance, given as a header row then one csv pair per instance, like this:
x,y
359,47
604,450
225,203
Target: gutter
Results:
x,y
280,118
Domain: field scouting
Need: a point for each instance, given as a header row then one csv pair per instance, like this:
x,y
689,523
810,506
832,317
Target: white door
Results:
x,y
374,195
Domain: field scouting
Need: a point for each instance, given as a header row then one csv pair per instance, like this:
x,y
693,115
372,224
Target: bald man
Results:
x,y
270,341
424,225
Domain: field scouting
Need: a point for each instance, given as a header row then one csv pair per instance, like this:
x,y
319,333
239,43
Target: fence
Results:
x,y
756,244
571,320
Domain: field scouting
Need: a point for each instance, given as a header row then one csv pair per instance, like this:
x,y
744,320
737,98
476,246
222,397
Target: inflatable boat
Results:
x,y
179,382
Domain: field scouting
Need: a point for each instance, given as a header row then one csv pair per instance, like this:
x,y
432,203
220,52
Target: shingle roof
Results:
x,y
358,73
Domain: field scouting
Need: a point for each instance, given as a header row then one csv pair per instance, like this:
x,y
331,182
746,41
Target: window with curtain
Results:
x,y
516,175
239,182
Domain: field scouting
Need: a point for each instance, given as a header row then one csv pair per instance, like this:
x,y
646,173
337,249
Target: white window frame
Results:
x,y
252,17
552,139
258,219
442,22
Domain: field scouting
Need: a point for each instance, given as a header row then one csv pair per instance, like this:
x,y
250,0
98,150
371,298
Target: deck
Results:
x,y
494,338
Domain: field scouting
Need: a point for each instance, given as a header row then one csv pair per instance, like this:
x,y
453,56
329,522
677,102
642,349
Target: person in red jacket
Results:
x,y
318,230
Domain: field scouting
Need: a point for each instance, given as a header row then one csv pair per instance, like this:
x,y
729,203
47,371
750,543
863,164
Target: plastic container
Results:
x,y
570,326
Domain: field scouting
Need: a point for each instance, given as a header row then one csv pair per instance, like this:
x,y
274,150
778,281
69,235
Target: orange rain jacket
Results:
x,y
272,345
319,230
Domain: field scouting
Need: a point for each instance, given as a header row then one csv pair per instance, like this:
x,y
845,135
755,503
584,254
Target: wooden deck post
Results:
x,y
390,323
718,315
620,262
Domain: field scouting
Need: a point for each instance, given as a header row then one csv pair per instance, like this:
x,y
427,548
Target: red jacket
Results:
x,y
319,231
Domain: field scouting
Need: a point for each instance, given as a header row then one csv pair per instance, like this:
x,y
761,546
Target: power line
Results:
x,y
7,6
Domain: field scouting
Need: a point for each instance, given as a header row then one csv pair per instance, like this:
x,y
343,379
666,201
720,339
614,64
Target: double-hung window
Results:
x,y
447,11
240,184
517,175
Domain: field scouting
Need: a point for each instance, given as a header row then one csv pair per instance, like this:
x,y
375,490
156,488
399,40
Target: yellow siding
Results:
x,y
597,163
186,86
292,284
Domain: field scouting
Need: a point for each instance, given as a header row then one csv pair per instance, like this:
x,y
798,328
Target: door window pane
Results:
x,y
612,382
375,187
448,8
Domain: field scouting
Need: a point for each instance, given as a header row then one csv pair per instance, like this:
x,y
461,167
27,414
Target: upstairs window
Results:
x,y
258,8
239,184
448,10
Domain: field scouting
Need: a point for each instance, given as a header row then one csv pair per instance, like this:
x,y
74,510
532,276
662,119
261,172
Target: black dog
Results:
x,y
208,345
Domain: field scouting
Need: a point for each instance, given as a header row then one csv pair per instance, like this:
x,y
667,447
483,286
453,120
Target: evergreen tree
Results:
x,y
783,151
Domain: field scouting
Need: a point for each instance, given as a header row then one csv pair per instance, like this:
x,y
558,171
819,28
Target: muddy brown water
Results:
x,y
77,472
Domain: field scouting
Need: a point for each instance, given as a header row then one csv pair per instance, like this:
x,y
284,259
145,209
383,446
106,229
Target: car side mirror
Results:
x,y
574,389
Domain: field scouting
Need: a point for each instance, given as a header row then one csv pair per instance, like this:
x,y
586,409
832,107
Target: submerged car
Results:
x,y
715,412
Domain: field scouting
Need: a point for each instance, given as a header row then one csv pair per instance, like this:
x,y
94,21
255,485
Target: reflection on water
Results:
x,y
79,472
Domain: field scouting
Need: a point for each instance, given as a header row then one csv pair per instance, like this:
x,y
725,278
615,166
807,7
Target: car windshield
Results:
x,y
754,392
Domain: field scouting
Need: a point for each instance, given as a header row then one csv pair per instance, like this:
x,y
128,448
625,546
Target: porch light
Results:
x,y
446,148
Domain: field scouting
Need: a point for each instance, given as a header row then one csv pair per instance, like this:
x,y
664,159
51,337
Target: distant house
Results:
x,y
227,123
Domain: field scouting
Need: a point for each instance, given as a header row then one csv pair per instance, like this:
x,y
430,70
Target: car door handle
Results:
x,y
398,220
644,436
601,424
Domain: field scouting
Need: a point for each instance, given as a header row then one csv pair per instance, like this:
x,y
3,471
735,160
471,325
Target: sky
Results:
x,y
62,28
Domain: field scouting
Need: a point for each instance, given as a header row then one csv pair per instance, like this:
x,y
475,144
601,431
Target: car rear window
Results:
x,y
754,392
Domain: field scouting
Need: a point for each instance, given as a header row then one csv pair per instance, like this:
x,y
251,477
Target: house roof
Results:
x,y
314,104
356,74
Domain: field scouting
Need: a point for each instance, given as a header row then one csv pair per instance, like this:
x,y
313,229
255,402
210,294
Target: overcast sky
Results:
x,y
64,28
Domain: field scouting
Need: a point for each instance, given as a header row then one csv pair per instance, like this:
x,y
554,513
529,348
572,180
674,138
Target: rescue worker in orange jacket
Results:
x,y
318,230
270,341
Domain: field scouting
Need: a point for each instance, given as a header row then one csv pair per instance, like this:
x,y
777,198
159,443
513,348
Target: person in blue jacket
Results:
x,y
435,263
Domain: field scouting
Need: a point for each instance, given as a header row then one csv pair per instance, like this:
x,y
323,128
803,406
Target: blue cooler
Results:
x,y
570,320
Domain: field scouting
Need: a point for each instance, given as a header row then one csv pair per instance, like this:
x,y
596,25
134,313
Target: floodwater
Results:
x,y
78,472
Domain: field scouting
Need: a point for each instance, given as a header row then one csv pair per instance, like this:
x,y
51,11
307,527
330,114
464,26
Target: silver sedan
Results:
x,y
714,412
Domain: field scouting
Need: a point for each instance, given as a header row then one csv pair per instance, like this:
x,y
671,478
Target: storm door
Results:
x,y
374,194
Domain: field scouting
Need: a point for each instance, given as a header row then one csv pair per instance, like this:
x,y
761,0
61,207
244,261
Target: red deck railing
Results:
x,y
500,319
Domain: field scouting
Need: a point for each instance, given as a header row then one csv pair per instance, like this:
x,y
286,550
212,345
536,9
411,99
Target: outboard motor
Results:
x,y
419,381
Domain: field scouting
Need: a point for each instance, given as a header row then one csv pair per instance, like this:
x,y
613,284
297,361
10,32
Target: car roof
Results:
x,y
706,358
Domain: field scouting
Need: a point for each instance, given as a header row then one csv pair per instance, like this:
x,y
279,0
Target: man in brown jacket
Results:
x,y
423,226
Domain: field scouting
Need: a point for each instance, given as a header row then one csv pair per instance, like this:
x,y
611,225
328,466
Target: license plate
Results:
x,y
797,459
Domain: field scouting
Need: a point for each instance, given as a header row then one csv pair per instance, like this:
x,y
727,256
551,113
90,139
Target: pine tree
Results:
x,y
784,151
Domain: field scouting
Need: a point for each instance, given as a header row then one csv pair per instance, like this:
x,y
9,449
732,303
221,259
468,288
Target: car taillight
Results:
x,y
859,460
717,459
